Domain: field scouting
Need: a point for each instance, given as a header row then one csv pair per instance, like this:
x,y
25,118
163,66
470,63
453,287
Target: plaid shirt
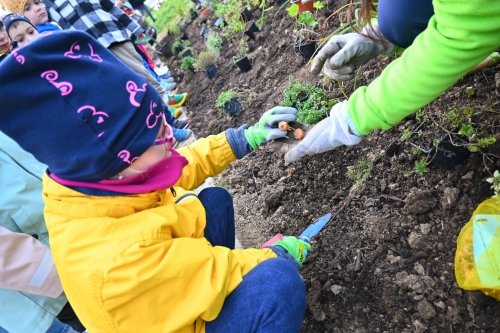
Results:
x,y
101,19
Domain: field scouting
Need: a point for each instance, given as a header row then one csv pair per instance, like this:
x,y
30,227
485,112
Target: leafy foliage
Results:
x,y
495,181
172,15
187,63
421,167
360,172
213,41
224,98
314,108
206,59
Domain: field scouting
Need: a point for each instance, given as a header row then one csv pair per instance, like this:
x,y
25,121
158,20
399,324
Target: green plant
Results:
x,y
187,63
469,91
223,99
456,120
184,44
205,59
406,135
171,15
421,167
360,172
311,110
213,41
495,181
306,18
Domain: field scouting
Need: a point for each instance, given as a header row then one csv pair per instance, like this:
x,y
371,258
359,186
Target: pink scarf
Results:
x,y
159,176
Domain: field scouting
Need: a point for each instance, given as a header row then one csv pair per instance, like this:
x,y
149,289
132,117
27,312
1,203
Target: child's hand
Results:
x,y
142,36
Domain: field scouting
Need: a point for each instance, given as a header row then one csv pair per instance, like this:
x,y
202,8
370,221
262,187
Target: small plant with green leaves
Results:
x,y
456,120
360,172
180,46
187,63
421,167
495,183
224,98
470,92
205,59
304,22
213,41
312,109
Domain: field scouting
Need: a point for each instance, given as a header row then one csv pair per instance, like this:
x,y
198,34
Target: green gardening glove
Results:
x,y
267,129
297,248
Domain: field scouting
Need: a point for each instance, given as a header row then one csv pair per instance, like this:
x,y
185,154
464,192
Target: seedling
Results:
x,y
469,91
213,41
224,98
421,167
311,110
187,63
495,181
360,172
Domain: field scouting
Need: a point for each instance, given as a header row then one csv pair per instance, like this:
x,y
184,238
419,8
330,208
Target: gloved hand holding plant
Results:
x,y
330,133
267,129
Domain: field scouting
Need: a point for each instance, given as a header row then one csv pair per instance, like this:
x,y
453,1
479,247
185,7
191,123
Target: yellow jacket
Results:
x,y
140,263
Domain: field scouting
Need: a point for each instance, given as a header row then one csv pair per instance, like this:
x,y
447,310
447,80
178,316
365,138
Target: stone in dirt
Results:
x,y
419,201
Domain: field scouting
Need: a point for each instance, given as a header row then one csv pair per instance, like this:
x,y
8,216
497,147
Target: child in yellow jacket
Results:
x,y
136,249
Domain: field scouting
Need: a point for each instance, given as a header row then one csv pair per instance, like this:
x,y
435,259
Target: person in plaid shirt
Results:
x,y
105,22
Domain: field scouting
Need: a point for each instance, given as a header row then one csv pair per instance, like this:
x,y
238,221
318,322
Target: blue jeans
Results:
x,y
58,327
218,205
272,296
401,21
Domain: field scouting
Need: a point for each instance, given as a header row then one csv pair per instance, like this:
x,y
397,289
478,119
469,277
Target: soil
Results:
x,y
384,263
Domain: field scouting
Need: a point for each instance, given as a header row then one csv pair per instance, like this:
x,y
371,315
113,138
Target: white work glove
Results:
x,y
328,134
342,54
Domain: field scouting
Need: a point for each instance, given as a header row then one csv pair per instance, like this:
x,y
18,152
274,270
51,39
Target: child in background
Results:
x,y
5,45
36,12
20,29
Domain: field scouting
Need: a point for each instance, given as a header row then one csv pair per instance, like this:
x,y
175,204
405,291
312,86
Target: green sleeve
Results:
x,y
460,35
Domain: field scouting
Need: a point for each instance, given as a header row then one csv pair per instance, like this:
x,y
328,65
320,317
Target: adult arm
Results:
x,y
459,35
123,18
26,265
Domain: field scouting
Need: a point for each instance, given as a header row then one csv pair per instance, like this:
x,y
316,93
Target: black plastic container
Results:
x,y
233,107
246,15
445,154
166,50
204,31
219,21
210,72
186,53
281,2
179,48
243,64
194,15
184,35
251,29
306,50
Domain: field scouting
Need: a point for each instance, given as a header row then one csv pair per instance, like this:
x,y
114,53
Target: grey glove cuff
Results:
x,y
282,253
238,142
383,45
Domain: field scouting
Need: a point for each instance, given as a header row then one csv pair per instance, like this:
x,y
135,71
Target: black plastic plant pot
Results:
x,y
446,154
252,28
243,64
186,54
166,50
204,31
179,48
184,36
219,21
306,50
246,15
281,2
194,15
233,107
210,72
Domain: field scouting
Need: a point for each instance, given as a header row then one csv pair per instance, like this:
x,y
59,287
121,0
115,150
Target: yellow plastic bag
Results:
x,y
477,260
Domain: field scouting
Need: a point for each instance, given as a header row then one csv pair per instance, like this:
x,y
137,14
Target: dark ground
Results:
x,y
362,275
